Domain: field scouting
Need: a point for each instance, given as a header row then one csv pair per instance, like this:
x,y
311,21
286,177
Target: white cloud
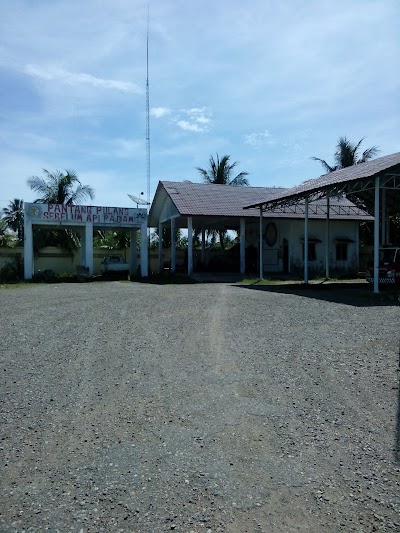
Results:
x,y
52,73
159,112
194,119
257,140
189,126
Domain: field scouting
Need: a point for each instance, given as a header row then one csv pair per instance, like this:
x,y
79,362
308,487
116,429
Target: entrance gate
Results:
x,y
85,218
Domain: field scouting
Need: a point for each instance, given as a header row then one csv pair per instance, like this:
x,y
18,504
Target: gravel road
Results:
x,y
197,408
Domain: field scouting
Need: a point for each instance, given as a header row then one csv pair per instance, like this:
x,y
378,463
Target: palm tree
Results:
x,y
220,172
347,154
60,188
14,217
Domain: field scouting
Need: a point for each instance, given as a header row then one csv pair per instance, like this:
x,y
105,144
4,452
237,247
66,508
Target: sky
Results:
x,y
269,82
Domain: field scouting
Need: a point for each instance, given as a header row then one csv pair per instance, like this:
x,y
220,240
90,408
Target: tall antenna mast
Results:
x,y
148,110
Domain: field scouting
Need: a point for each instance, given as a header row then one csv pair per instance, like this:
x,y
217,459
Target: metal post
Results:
x,y
242,245
261,245
173,245
327,240
306,241
190,246
376,237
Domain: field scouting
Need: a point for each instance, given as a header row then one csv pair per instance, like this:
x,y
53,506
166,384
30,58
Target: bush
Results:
x,y
12,272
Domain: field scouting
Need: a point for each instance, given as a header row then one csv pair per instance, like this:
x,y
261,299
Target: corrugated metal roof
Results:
x,y
204,199
348,174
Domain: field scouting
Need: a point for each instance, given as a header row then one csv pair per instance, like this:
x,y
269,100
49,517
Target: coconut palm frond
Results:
x,y
369,154
346,154
327,167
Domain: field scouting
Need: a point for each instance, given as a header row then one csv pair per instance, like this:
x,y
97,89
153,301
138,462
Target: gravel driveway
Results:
x,y
197,408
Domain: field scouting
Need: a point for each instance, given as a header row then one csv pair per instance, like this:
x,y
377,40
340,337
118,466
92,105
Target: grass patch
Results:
x,y
268,281
17,285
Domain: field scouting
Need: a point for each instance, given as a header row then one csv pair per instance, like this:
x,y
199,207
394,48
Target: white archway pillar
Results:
x,y
133,252
89,247
242,245
28,249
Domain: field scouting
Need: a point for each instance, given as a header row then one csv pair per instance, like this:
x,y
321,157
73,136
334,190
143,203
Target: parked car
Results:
x,y
114,263
389,266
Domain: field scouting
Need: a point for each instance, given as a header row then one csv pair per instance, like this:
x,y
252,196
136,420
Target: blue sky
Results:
x,y
270,82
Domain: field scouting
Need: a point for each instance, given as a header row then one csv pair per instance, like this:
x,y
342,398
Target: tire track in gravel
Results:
x,y
223,363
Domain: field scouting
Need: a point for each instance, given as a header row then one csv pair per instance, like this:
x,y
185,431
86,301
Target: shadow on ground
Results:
x,y
355,294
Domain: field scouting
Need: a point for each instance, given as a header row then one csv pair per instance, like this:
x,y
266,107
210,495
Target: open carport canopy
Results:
x,y
356,182
374,186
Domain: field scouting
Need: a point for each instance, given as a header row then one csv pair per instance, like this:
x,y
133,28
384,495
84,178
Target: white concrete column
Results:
x,y
384,213
242,245
28,249
89,246
327,239
83,245
144,256
173,245
203,244
190,245
261,245
376,236
306,240
133,252
160,247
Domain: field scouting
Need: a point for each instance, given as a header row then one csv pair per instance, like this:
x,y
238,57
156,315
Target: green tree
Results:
x,y
221,172
59,188
13,216
348,154
6,238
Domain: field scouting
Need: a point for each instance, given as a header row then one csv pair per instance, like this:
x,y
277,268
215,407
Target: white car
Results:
x,y
114,263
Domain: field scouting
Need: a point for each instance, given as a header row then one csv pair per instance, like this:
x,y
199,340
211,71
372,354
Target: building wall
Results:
x,y
293,232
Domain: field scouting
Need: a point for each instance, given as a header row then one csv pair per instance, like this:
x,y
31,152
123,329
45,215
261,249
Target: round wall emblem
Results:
x,y
34,211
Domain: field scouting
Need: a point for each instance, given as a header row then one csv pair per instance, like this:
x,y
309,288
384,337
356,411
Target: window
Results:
x,y
341,251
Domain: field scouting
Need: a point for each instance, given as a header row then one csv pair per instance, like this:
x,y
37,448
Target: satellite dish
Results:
x,y
138,201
